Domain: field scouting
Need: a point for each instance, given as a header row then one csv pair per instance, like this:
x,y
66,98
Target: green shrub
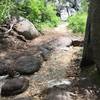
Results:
x,y
35,10
43,15
84,5
77,22
39,13
6,7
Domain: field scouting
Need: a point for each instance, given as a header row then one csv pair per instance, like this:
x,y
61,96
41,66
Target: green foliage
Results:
x,y
35,10
77,22
41,14
84,4
6,7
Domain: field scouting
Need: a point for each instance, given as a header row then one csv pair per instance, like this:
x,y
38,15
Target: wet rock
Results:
x,y
28,64
14,86
26,28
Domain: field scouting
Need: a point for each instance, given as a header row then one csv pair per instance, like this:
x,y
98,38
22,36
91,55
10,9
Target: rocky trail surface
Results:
x,y
46,68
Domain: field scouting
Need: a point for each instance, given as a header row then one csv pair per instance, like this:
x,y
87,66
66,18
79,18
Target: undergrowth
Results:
x,y
37,11
77,22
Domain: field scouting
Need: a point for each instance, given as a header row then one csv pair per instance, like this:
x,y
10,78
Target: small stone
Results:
x,y
14,86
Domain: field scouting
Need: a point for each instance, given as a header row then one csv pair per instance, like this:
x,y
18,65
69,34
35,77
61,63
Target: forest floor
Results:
x,y
60,77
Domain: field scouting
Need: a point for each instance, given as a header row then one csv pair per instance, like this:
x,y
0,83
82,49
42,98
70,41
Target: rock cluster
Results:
x,y
16,58
15,63
16,31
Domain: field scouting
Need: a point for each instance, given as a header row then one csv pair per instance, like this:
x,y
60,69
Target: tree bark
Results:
x,y
91,52
87,57
95,31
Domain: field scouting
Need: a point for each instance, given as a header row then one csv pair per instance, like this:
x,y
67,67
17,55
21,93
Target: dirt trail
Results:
x,y
61,67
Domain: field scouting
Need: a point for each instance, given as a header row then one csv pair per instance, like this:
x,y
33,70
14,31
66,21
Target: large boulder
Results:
x,y
24,62
26,28
14,86
27,64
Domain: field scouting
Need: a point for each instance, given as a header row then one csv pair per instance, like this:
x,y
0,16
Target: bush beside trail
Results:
x,y
77,22
40,14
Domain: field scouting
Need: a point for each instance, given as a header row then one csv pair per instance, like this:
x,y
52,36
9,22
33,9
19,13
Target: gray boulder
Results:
x,y
14,86
28,64
24,27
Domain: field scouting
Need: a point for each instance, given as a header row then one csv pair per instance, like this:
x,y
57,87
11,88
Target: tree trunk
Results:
x,y
87,57
91,52
95,31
